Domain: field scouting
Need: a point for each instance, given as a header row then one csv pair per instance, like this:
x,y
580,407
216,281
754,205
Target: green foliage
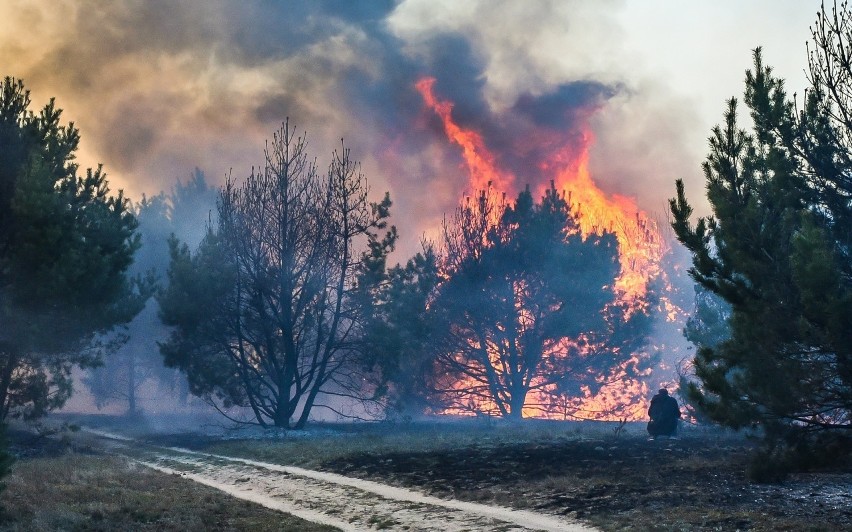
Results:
x,y
399,331
196,301
525,305
65,245
708,325
777,250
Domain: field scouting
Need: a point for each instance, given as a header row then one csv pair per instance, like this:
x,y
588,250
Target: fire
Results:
x,y
640,245
641,249
479,160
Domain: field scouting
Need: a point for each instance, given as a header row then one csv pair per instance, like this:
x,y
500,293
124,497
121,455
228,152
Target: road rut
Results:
x,y
346,503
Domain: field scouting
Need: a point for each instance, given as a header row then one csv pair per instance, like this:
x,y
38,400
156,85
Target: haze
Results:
x,y
158,88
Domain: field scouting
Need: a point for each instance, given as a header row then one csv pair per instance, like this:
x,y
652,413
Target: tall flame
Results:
x,y
641,247
479,160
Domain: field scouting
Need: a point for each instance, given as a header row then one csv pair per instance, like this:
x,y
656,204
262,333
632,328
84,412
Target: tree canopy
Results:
x,y
525,311
65,245
777,249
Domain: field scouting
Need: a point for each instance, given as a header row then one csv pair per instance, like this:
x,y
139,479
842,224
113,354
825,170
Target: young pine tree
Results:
x,y
771,250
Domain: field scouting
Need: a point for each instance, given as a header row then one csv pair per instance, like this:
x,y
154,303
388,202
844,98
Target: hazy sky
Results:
x,y
158,87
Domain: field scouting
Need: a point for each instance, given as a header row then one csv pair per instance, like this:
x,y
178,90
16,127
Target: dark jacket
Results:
x,y
664,413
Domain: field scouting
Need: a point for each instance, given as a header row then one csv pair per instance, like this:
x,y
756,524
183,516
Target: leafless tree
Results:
x,y
287,326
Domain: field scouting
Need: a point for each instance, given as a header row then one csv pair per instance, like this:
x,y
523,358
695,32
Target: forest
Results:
x,y
535,321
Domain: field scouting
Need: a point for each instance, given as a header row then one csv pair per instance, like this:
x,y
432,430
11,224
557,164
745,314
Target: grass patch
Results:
x,y
613,480
92,493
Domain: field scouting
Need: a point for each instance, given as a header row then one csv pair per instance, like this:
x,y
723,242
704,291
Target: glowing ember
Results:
x,y
641,249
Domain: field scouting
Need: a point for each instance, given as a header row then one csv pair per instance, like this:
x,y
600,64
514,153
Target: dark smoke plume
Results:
x,y
159,88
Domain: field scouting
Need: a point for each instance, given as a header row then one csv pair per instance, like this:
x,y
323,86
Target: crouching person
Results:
x,y
664,413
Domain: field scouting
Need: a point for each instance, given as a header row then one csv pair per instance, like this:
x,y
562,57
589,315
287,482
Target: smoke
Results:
x,y
159,88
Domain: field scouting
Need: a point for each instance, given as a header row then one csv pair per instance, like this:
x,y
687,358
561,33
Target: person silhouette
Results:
x,y
664,413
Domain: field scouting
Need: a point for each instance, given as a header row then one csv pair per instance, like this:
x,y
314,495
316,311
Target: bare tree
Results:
x,y
823,137
284,325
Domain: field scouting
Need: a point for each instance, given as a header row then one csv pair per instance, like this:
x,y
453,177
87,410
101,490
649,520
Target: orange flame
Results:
x,y
640,245
641,249
479,160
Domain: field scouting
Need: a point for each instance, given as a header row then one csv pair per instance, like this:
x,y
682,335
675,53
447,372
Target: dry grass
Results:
x,y
616,482
79,492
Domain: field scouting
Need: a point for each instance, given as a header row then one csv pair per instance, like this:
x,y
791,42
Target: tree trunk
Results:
x,y
516,405
282,412
131,384
10,360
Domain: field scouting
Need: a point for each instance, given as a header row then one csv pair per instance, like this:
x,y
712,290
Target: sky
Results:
x,y
158,87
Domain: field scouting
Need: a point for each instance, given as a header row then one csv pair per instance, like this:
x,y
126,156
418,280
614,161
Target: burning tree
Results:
x,y
524,295
264,312
616,350
65,246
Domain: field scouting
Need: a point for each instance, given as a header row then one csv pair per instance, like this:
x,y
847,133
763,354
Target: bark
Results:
x,y
10,361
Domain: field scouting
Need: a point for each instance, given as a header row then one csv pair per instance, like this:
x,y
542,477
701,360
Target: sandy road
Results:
x,y
343,502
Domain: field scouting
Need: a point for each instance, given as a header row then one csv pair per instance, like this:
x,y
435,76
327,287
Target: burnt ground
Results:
x,y
615,482
692,483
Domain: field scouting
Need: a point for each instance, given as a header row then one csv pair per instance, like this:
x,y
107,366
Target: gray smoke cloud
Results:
x,y
160,87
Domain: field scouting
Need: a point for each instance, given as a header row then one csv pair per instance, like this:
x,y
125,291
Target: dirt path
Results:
x,y
336,500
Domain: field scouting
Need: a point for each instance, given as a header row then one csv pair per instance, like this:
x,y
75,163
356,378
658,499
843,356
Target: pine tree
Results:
x,y
523,302
708,325
776,249
400,330
65,246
